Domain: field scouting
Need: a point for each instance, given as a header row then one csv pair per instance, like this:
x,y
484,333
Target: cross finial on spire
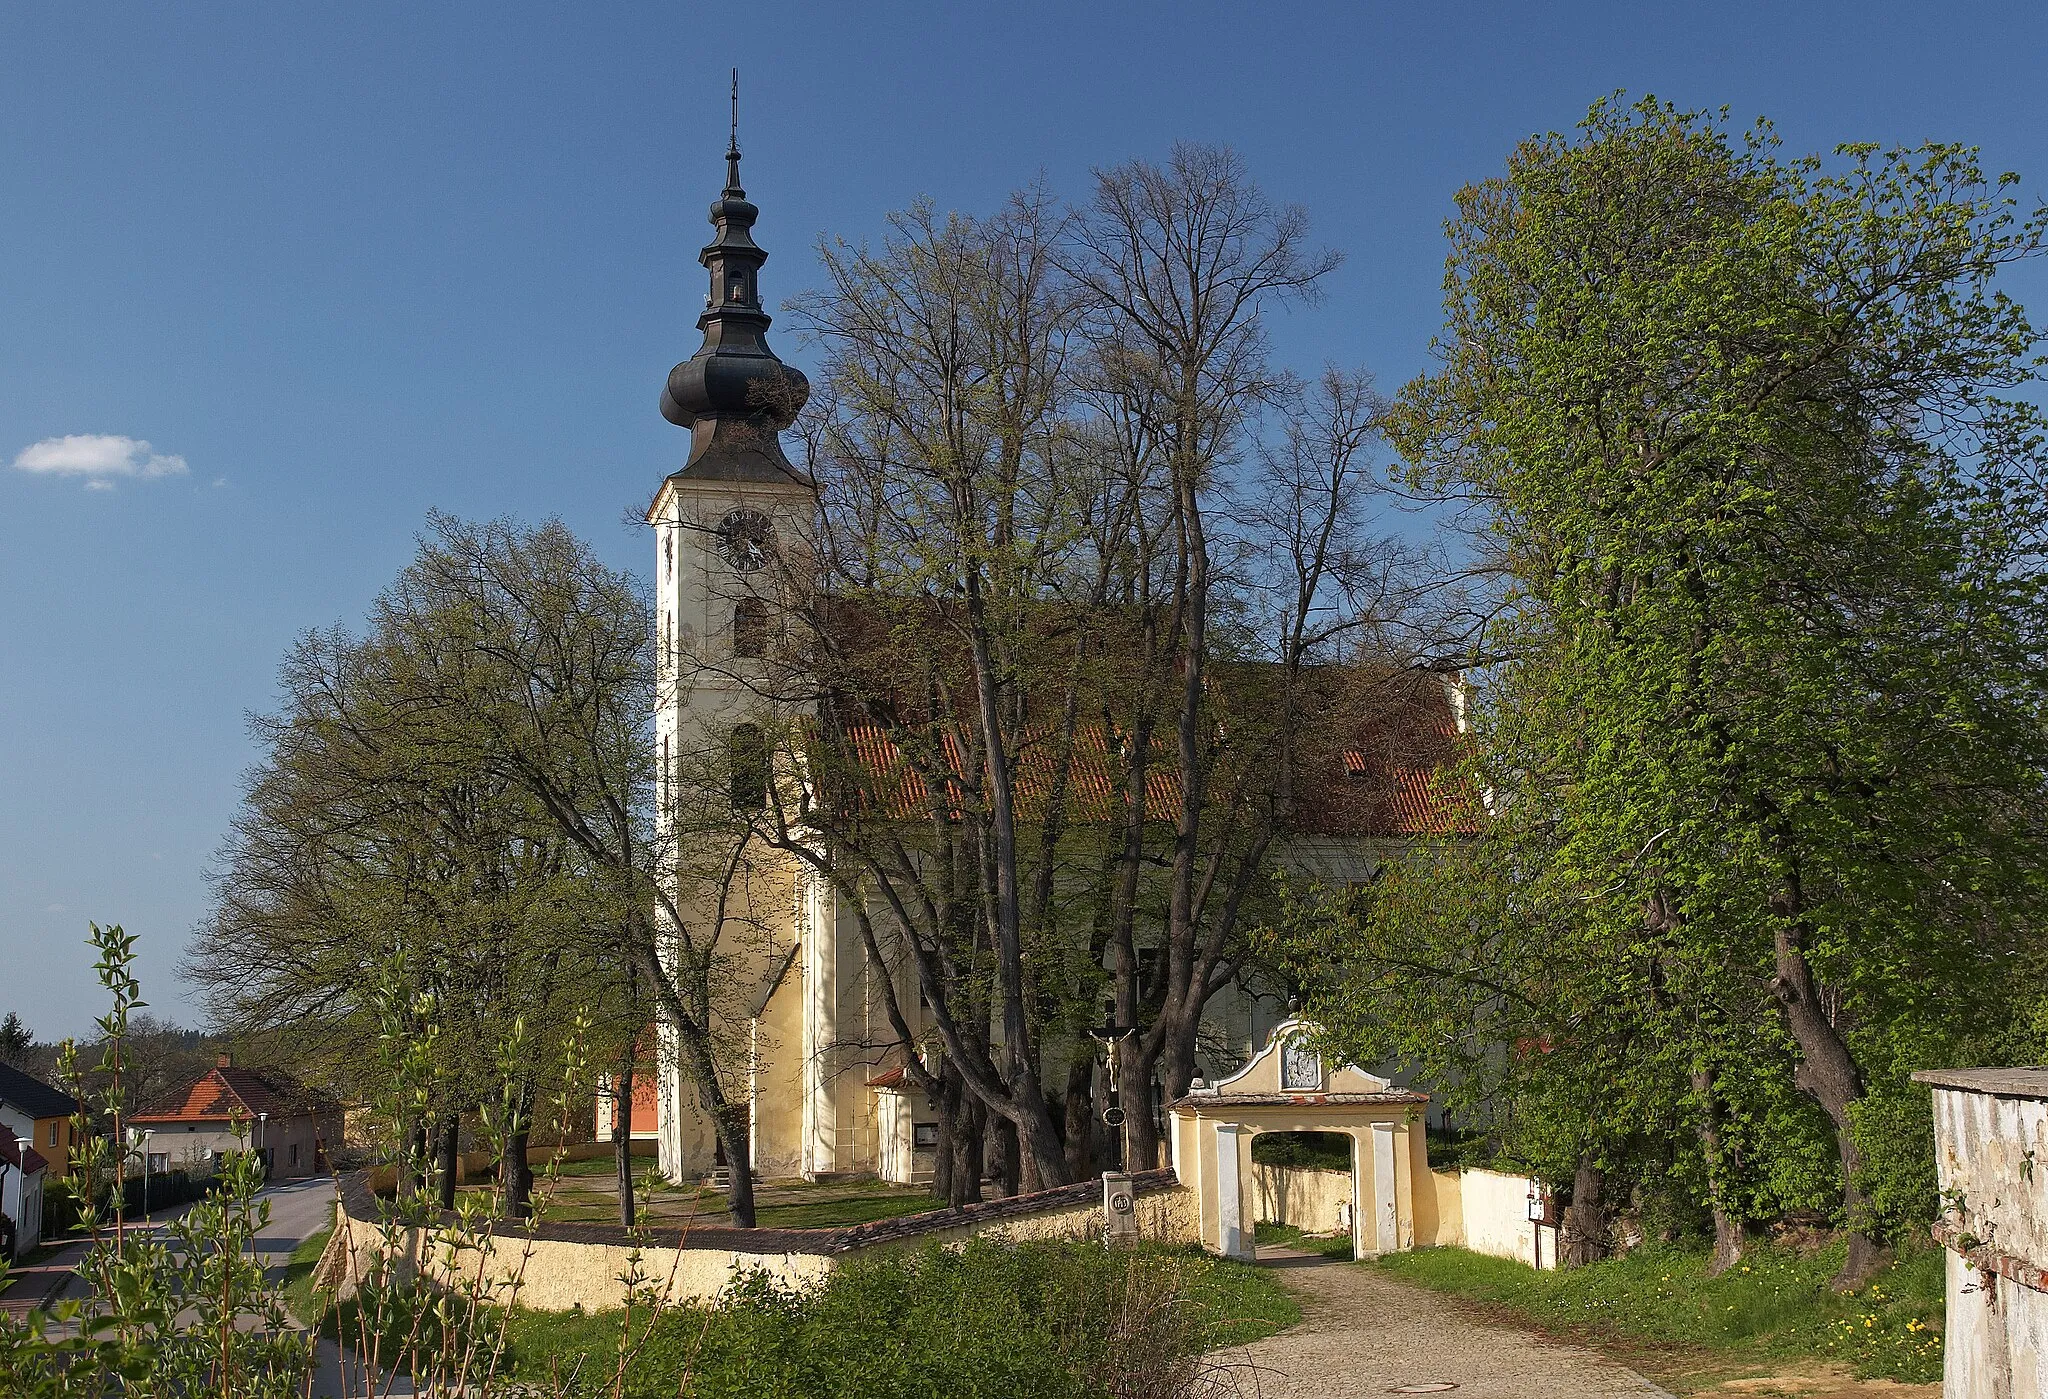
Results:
x,y
732,149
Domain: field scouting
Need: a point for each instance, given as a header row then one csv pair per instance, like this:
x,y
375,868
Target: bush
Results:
x,y
1054,1321
166,1188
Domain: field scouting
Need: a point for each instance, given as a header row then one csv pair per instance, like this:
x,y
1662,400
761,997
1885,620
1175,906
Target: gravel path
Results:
x,y
1364,1333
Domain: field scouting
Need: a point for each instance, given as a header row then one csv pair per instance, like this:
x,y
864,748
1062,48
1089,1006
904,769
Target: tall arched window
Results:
x,y
750,627
747,751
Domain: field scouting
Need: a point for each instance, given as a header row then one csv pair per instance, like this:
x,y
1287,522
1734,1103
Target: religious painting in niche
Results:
x,y
1301,1068
747,539
924,1136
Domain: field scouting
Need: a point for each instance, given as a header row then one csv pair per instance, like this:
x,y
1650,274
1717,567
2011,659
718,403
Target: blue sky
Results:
x,y
339,265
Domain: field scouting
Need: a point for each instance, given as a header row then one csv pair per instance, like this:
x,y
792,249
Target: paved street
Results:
x,y
298,1210
1362,1332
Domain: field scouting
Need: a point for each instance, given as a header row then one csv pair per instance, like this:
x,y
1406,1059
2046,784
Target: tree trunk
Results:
x,y
1582,1235
732,1120
1827,1073
1007,1152
969,1134
1729,1235
1134,1093
947,1102
448,1164
516,1173
622,1133
1080,1117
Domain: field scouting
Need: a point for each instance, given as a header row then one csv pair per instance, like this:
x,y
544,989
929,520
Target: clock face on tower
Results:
x,y
747,539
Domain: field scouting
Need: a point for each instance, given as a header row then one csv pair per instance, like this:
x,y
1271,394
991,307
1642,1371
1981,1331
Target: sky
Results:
x,y
277,280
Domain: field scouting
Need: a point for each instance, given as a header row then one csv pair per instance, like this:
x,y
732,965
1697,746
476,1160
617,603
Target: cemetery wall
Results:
x,y
561,1266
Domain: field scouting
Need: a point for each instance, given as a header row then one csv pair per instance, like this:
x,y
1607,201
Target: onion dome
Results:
x,y
734,395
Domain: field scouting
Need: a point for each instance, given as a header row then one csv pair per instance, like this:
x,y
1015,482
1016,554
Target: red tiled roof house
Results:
x,y
231,1108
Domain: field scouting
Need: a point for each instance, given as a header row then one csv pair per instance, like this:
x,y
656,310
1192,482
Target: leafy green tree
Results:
x,y
1763,746
378,833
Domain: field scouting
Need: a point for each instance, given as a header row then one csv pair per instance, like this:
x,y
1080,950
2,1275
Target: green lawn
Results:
x,y
579,1198
298,1275
1775,1305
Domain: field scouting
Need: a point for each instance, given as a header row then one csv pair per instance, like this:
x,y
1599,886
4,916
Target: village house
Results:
x,y
32,1109
232,1108
825,1086
23,1172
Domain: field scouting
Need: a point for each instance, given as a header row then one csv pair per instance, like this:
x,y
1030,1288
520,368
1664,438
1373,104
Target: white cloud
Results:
x,y
100,458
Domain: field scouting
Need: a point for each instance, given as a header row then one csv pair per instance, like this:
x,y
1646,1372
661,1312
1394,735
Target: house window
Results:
x,y
747,752
53,1133
159,1162
668,553
295,1153
750,627
664,776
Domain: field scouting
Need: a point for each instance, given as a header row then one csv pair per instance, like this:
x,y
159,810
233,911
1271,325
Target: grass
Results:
x,y
1287,1236
577,1198
1776,1304
298,1276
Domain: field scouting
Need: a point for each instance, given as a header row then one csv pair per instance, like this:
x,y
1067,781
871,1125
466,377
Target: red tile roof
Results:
x,y
27,1162
1394,781
230,1091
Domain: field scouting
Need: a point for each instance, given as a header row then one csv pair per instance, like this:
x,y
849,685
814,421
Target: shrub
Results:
x,y
1055,1321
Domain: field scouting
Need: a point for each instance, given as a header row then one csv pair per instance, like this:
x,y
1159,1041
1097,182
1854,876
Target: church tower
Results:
x,y
732,533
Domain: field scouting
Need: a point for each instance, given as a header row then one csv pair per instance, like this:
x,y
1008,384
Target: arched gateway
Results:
x,y
1288,1088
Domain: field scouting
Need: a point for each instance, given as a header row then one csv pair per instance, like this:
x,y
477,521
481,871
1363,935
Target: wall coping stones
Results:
x,y
362,1204
2029,1082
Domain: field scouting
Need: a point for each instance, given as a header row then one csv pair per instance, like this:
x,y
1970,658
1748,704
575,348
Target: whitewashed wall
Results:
x,y
1991,1153
1495,1211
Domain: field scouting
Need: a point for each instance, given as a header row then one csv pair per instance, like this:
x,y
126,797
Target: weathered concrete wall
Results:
x,y
1314,1200
1991,1154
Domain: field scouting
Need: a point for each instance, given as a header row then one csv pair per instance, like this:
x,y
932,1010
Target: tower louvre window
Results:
x,y
750,627
747,751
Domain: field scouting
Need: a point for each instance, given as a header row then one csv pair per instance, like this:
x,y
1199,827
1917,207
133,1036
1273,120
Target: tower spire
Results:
x,y
734,395
732,146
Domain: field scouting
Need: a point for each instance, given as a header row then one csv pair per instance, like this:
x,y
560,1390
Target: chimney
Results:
x,y
226,1060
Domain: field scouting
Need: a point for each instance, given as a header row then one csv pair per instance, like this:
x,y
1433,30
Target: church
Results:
x,y
824,1078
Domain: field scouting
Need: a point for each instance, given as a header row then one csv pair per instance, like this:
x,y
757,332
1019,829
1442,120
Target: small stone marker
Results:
x,y
1119,1209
